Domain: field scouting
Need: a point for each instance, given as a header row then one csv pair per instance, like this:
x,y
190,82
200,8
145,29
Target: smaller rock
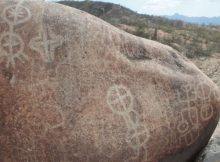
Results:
x,y
211,152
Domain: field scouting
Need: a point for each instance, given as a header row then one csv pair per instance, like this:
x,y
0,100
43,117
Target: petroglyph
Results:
x,y
183,126
120,101
12,47
46,44
191,116
207,112
58,61
11,43
189,138
48,126
137,137
189,123
16,14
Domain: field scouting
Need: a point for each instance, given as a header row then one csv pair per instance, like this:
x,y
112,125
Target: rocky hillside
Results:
x,y
191,40
196,20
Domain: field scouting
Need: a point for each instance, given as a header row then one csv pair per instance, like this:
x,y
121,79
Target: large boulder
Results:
x,y
75,89
210,66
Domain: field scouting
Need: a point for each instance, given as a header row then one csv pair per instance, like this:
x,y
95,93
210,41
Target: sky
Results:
x,y
208,8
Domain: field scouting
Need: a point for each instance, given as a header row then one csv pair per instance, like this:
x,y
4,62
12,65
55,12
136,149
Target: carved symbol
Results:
x,y
11,44
119,99
189,138
15,15
193,115
61,123
46,44
204,91
183,126
133,118
189,126
137,138
207,113
12,48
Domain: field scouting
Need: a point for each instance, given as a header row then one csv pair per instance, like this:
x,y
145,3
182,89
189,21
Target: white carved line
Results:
x,y
120,101
11,44
16,14
207,113
116,100
187,127
46,44
60,124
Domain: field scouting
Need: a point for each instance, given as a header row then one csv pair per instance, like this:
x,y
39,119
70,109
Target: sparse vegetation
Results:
x,y
189,39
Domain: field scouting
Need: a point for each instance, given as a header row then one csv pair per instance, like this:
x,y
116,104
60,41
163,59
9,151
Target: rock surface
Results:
x,y
211,67
76,89
211,152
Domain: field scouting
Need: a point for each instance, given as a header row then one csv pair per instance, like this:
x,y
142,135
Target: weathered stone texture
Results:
x,y
74,89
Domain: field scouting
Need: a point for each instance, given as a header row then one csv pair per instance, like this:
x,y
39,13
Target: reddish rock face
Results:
x,y
76,89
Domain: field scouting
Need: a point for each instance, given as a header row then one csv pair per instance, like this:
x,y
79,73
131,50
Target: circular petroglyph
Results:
x,y
183,126
15,14
120,99
207,113
11,43
12,46
204,91
137,138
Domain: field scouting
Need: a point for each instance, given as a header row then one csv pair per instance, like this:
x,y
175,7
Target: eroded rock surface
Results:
x,y
76,89
212,152
211,67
